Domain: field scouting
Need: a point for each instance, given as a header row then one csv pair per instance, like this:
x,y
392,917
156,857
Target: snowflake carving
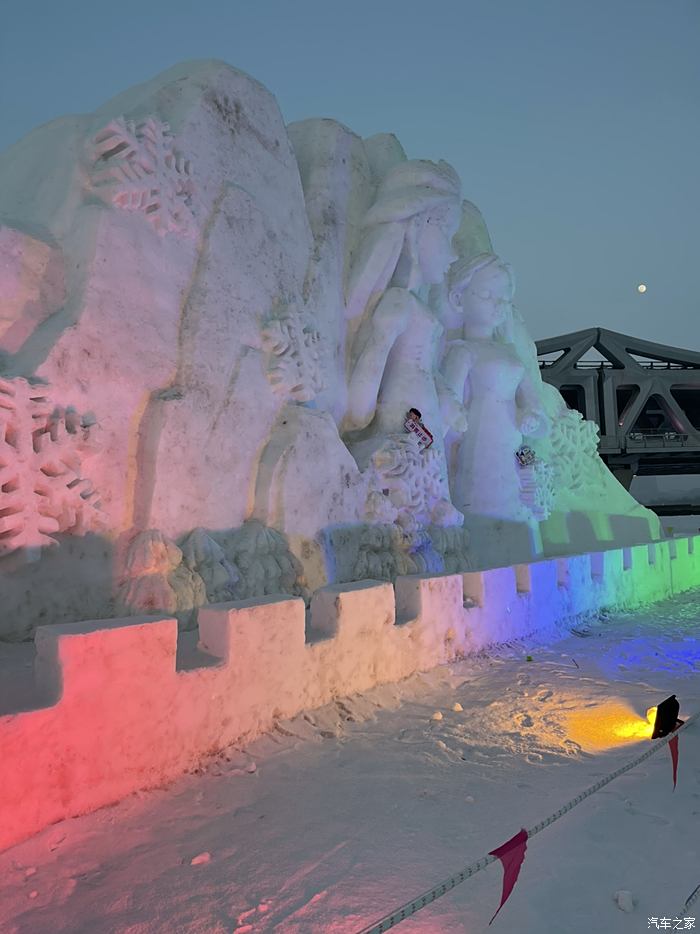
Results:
x,y
42,491
293,347
136,168
413,481
575,457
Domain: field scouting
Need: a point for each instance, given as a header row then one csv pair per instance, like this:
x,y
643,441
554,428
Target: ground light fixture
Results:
x,y
666,719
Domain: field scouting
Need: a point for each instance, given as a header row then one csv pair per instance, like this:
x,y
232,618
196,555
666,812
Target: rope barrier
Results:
x,y
410,908
689,901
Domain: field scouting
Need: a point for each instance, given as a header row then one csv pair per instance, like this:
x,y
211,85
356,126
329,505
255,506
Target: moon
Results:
x,y
641,287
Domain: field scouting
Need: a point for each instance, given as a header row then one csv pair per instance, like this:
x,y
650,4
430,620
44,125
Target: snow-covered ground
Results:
x,y
344,814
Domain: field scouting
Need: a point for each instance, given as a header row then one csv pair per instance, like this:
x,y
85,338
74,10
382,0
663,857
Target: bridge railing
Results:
x,y
607,365
648,438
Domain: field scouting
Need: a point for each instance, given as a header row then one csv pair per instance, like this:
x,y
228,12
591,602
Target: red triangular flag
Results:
x,y
673,746
511,854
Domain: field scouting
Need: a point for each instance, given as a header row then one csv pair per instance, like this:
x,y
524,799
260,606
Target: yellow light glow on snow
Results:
x,y
608,725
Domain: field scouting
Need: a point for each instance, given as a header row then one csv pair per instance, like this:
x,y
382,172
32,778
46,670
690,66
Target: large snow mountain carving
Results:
x,y
250,348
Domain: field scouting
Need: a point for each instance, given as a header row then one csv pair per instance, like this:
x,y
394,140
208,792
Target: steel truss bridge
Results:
x,y
644,396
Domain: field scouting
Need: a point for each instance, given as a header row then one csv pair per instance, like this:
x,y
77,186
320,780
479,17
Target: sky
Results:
x,y
575,126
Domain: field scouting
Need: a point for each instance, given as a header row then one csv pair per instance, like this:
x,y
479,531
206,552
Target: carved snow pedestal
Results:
x,y
230,319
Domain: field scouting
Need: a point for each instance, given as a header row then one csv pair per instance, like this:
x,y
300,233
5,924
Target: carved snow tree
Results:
x,y
42,490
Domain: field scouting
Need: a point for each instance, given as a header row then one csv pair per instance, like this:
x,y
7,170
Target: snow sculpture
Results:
x,y
206,557
146,586
413,482
453,545
156,580
574,453
251,382
485,370
385,552
394,337
160,575
42,490
394,333
263,560
537,488
581,481
587,504
136,168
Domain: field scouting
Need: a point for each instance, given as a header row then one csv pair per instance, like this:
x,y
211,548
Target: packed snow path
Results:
x,y
340,816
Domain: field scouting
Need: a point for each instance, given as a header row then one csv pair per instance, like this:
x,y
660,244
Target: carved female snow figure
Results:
x,y
487,372
393,334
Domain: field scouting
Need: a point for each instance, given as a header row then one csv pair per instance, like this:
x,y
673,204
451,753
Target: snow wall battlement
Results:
x,y
124,711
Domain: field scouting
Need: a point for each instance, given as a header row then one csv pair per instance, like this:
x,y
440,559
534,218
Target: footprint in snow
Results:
x,y
654,818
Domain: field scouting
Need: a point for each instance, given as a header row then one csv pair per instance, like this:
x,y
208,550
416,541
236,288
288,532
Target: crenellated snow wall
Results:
x,y
127,704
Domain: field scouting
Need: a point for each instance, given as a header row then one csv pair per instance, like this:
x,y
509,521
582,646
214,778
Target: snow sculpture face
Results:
x,y
407,232
435,230
487,298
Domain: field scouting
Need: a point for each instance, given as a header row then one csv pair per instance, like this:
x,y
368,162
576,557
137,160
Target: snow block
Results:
x,y
261,644
431,620
356,622
543,599
498,613
106,734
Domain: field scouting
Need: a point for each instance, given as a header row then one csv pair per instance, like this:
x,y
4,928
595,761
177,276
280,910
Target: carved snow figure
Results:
x,y
394,334
391,349
484,369
406,249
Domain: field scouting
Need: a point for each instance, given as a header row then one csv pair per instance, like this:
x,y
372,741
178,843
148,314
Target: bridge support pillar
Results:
x,y
624,474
